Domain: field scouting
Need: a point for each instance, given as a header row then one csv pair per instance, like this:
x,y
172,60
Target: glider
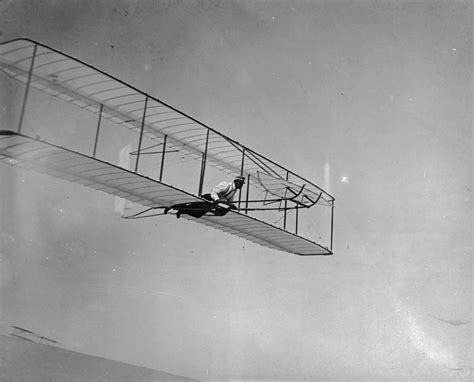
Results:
x,y
162,131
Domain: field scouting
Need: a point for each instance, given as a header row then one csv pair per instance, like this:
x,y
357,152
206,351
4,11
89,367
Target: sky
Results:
x,y
371,99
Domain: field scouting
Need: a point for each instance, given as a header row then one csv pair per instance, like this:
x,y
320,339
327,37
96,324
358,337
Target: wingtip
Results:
x,y
8,132
315,254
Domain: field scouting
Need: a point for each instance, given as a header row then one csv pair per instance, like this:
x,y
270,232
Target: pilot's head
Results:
x,y
239,181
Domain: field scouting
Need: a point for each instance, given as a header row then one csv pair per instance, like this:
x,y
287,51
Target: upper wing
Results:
x,y
21,150
89,88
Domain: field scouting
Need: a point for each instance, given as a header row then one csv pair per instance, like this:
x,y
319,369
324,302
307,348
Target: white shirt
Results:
x,y
224,192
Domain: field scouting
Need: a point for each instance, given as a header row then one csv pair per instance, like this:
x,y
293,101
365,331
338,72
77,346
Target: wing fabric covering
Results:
x,y
76,82
30,153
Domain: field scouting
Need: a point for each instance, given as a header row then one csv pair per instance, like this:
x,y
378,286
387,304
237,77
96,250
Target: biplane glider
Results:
x,y
163,137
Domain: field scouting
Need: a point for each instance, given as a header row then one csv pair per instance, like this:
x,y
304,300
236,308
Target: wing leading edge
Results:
x,y
43,157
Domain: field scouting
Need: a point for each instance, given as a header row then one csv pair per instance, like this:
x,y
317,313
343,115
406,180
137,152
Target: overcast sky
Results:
x,y
379,93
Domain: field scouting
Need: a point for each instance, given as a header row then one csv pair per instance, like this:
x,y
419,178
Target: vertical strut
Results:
x,y
203,165
297,217
286,206
141,134
332,222
30,73
241,174
97,132
247,197
163,157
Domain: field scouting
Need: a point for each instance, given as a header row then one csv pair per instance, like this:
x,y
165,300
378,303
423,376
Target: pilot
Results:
x,y
224,192
221,196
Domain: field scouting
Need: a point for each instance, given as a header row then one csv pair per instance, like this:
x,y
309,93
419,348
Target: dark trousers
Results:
x,y
199,209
